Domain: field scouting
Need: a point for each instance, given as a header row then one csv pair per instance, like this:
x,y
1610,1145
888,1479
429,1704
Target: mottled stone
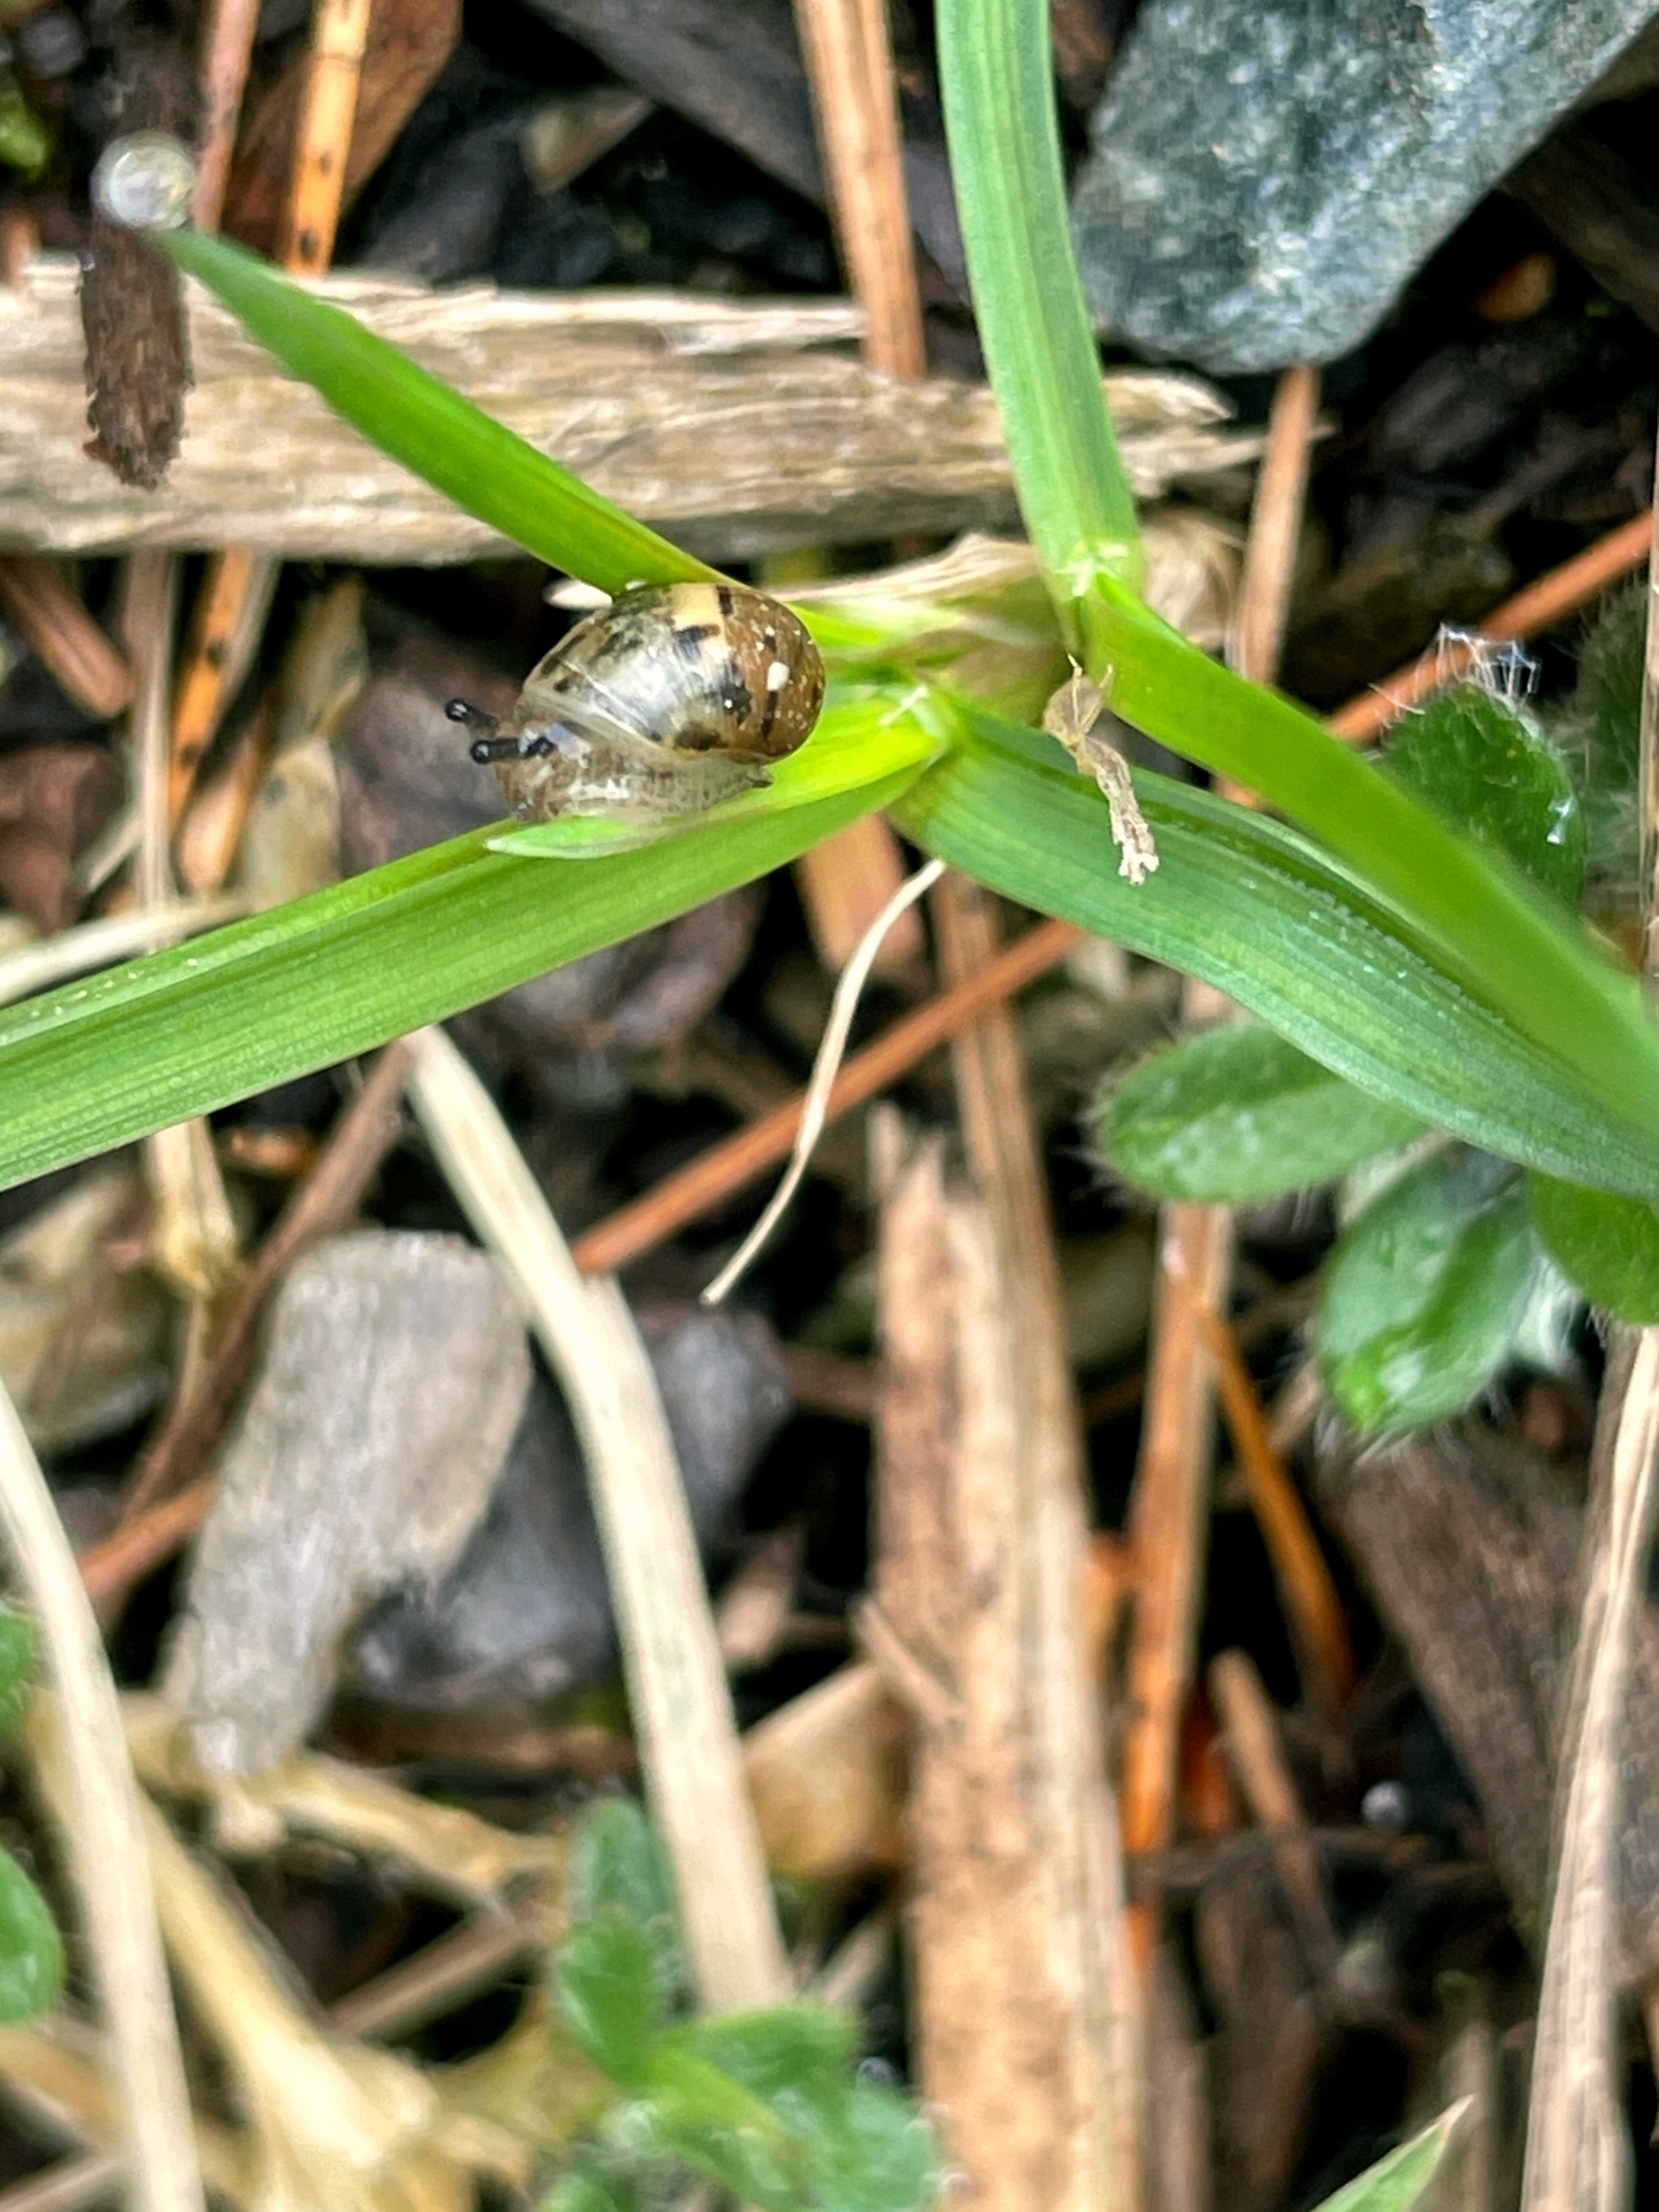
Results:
x,y
392,1382
524,1615
1266,174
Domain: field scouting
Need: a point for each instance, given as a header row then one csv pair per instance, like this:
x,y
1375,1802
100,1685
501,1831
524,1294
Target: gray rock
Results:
x,y
1266,174
524,1614
392,1382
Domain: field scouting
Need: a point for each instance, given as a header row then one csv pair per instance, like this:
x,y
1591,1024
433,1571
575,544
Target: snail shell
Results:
x,y
667,701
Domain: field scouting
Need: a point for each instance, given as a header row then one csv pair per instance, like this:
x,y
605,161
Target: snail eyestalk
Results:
x,y
144,182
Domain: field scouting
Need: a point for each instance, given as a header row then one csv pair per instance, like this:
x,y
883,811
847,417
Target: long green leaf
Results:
x,y
997,83
185,1031
1258,910
1534,964
419,421
1525,955
1239,899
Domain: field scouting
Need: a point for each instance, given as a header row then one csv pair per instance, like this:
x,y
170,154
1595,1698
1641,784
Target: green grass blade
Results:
x,y
184,1031
1005,146
1522,953
1257,909
1400,2180
485,468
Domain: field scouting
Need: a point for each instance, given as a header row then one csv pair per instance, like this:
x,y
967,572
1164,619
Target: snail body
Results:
x,y
665,702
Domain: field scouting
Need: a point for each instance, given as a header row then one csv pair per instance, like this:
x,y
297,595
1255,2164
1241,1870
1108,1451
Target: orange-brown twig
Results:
x,y
1318,1629
224,633
317,180
50,619
1169,1509
846,881
236,591
226,50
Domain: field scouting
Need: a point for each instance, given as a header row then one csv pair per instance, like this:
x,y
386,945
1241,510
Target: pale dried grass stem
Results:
x,y
677,1681
98,1807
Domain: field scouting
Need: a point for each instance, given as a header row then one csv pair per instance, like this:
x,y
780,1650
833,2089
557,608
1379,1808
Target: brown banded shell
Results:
x,y
667,701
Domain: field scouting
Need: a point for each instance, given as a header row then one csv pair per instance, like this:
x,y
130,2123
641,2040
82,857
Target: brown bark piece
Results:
x,y
53,801
409,41
1265,2051
1019,2047
50,616
137,357
1471,1548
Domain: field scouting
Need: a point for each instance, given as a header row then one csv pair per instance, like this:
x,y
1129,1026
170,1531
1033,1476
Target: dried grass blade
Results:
x,y
99,1811
671,1655
1578,2155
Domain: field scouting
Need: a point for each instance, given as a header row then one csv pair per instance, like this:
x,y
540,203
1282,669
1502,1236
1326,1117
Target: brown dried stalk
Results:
x,y
1169,1505
1026,2013
847,880
226,52
53,622
676,1683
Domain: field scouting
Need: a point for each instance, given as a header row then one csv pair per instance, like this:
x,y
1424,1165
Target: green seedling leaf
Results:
x,y
25,142
1480,763
610,1996
848,753
1258,910
1608,1245
996,75
618,1868
1470,910
1238,1113
1397,2182
827,2142
869,2151
31,1950
583,2190
784,2047
485,468
1424,1292
182,1032
18,1647
1599,731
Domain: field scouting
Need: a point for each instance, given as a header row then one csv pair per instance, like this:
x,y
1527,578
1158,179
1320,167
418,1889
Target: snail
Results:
x,y
669,700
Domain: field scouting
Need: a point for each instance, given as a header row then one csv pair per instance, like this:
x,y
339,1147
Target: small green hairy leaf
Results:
x,y
1482,765
1608,1246
764,2103
18,1643
1397,2182
31,1950
606,1976
618,1865
1424,1292
584,2189
1238,1113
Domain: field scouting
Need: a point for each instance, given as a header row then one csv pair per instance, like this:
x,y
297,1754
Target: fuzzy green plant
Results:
x,y
1368,927
1452,1260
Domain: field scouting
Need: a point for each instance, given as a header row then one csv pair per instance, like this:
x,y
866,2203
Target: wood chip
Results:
x,y
730,424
